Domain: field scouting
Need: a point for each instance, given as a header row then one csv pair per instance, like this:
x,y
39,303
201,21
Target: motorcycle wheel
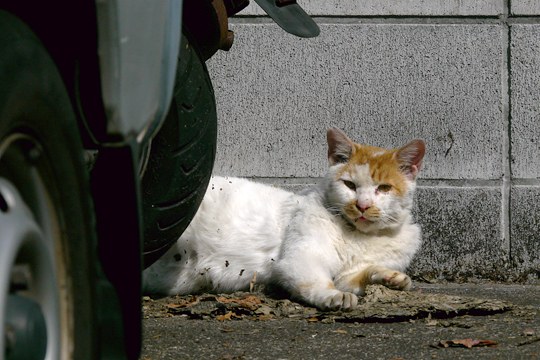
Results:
x,y
181,155
47,236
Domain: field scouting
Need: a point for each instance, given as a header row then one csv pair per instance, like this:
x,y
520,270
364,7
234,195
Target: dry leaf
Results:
x,y
528,332
263,310
250,302
312,319
182,303
175,306
265,317
340,331
468,343
224,317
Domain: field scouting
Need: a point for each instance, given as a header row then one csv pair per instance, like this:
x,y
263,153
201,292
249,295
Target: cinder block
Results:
x,y
395,8
461,234
525,7
525,90
525,231
383,84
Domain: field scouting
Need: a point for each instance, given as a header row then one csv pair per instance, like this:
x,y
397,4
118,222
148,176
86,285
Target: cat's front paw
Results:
x,y
392,279
339,301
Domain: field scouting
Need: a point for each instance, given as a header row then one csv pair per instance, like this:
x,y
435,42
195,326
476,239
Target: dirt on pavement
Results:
x,y
432,321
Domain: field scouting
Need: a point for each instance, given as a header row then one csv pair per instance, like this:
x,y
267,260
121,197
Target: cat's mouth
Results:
x,y
363,219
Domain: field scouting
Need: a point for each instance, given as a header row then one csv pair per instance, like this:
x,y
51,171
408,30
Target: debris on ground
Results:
x,y
380,304
468,343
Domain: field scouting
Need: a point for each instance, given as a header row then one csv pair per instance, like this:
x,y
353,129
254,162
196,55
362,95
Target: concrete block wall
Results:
x,y
464,75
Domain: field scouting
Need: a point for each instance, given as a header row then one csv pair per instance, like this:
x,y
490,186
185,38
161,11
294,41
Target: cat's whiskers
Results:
x,y
334,210
386,218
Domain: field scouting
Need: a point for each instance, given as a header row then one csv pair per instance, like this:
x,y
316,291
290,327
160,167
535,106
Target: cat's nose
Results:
x,y
362,206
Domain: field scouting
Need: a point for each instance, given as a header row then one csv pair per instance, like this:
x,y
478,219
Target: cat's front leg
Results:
x,y
357,282
391,278
314,288
326,298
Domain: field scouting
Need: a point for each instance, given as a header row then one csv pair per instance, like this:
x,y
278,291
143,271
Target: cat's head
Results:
x,y
371,187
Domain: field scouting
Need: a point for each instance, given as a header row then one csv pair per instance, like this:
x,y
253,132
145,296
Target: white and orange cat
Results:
x,y
322,246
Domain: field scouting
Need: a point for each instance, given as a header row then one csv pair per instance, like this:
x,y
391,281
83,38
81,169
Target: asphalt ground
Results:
x,y
393,326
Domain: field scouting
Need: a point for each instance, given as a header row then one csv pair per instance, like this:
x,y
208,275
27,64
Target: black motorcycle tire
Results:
x,y
44,192
181,155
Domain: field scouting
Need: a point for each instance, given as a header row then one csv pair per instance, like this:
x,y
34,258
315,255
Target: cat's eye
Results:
x,y
349,184
384,188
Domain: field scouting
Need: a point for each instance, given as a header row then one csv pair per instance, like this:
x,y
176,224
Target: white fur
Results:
x,y
300,242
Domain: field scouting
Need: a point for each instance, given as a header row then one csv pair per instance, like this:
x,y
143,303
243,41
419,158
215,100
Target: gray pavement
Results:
x,y
170,334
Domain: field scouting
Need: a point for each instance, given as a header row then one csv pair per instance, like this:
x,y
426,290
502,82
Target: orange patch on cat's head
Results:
x,y
393,167
384,166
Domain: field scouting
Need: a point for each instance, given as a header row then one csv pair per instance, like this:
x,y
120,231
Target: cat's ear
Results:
x,y
410,158
340,147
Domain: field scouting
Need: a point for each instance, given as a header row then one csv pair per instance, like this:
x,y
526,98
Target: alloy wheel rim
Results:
x,y
31,268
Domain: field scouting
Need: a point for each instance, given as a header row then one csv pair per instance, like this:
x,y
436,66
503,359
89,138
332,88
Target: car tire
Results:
x,y
47,238
181,155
